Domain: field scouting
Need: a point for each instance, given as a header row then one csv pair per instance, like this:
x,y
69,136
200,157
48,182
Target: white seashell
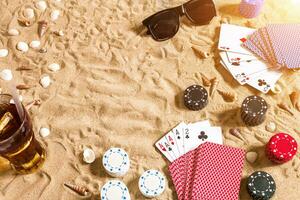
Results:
x,y
251,156
13,32
35,44
54,15
6,75
20,99
28,13
3,53
271,127
88,155
41,5
59,33
22,46
44,132
54,67
45,81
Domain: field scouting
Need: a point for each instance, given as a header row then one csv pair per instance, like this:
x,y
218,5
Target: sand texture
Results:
x,y
120,88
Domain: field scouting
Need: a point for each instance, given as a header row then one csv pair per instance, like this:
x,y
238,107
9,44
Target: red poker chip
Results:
x,y
281,148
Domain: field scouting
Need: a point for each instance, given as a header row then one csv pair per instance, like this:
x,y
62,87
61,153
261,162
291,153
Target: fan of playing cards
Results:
x,y
249,55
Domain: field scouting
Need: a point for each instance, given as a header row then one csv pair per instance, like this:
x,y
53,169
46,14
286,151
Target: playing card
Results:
x,y
237,57
189,169
218,171
178,131
171,138
232,37
265,81
241,71
165,148
203,134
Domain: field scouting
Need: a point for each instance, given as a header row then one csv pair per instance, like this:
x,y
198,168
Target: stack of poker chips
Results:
x,y
152,183
116,162
251,8
253,110
281,148
195,97
261,185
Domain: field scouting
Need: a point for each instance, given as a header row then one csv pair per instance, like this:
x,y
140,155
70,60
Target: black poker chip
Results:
x,y
261,185
195,97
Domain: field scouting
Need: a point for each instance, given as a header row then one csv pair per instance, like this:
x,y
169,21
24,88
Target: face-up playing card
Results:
x,y
232,37
241,71
178,131
237,57
165,148
218,171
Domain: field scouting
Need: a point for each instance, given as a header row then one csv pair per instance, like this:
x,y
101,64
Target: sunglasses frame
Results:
x,y
180,11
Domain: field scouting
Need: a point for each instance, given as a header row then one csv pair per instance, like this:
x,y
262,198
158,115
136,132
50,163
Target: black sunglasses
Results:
x,y
165,24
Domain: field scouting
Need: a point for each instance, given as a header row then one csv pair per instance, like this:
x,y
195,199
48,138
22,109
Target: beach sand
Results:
x,y
120,88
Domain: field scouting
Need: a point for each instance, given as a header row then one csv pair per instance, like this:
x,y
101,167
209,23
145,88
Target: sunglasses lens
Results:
x,y
164,25
200,11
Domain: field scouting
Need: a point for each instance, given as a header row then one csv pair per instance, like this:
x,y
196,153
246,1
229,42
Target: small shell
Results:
x,y
251,156
6,75
205,81
59,33
271,127
42,28
45,81
20,99
276,89
285,107
82,191
3,53
295,98
23,87
201,54
33,103
35,44
228,96
54,15
43,50
237,133
22,46
13,32
214,85
54,67
88,155
28,13
41,5
24,22
44,132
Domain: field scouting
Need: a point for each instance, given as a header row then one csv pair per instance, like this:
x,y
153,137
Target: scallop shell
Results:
x,y
22,46
228,96
13,32
283,106
82,191
28,13
295,99
214,85
42,28
45,81
205,81
54,15
44,132
35,44
3,53
251,156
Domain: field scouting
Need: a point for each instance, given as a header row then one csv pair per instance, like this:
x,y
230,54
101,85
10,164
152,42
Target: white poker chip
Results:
x,y
152,183
116,162
115,190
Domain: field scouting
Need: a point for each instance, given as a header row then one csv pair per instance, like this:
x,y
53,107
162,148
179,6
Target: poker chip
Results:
x,y
261,185
115,190
116,162
250,8
253,110
152,183
281,148
195,97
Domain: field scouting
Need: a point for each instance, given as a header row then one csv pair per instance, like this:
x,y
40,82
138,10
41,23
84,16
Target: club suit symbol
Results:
x,y
202,136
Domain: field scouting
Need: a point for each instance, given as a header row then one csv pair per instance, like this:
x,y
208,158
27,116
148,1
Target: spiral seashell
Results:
x,y
237,133
82,191
228,96
205,81
283,106
201,54
214,84
24,22
295,99
36,102
42,28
